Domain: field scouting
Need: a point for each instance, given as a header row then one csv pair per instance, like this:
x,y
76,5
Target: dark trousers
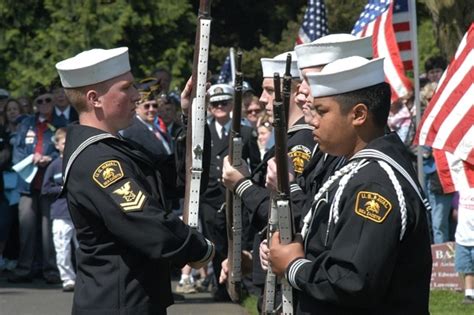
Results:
x,y
214,228
35,222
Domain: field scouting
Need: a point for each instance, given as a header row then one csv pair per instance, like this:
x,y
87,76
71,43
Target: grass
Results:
x,y
441,303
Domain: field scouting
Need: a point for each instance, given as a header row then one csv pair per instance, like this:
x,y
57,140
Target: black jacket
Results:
x,y
360,266
255,197
215,192
127,238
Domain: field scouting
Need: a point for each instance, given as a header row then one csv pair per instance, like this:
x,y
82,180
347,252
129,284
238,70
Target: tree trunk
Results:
x,y
451,20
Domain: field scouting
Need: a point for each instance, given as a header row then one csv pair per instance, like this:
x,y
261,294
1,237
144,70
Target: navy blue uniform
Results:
x,y
128,239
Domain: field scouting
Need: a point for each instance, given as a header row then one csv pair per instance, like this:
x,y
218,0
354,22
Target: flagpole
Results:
x,y
416,79
232,64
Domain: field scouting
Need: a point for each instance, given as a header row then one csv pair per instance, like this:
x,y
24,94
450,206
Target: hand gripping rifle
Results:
x,y
197,116
233,202
281,217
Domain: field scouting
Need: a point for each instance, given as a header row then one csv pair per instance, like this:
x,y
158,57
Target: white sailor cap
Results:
x,y
332,47
4,94
278,64
220,92
346,75
93,66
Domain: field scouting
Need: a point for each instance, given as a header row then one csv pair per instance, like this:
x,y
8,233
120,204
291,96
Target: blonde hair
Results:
x,y
427,93
77,96
60,134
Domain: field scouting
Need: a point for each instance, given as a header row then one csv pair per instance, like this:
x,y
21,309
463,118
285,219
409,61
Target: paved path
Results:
x,y
39,298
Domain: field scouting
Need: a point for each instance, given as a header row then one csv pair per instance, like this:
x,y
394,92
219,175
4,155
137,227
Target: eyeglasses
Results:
x,y
147,106
254,111
221,103
42,101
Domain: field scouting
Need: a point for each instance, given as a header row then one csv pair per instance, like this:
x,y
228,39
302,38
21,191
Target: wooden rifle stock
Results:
x,y
197,116
233,202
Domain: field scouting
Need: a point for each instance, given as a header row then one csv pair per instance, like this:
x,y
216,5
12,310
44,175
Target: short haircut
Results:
x,y
60,133
435,63
77,96
375,97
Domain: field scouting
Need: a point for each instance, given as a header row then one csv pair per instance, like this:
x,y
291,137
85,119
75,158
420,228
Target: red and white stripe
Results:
x,y
401,26
454,173
385,45
448,121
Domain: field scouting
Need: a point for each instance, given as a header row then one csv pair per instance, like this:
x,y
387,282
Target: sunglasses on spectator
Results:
x,y
42,101
147,106
254,111
221,103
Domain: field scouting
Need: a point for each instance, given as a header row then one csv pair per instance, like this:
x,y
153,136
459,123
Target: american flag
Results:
x,y
376,20
448,122
402,27
225,75
315,24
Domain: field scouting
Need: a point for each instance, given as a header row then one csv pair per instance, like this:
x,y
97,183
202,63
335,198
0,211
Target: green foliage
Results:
x,y
36,34
426,43
342,14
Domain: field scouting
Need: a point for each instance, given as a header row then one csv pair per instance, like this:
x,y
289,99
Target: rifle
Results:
x,y
233,202
197,116
281,216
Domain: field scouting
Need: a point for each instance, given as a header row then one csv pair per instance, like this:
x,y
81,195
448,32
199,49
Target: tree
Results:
x,y
451,20
35,35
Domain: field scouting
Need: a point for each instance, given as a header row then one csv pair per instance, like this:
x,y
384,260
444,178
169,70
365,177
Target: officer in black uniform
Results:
x,y
127,238
366,241
212,214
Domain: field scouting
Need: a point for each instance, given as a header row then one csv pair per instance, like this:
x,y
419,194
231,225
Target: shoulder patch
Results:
x,y
372,206
129,197
108,173
300,155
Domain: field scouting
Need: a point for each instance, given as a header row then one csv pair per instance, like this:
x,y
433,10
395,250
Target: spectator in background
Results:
x,y
34,137
163,77
253,111
63,113
439,201
12,115
4,95
264,132
168,105
401,118
63,228
464,256
434,68
26,105
426,94
5,213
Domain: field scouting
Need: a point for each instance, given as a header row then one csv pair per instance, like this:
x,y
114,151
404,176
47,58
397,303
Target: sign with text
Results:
x,y
443,275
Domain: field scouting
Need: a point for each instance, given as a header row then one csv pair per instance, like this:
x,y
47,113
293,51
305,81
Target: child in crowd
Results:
x,y
464,258
63,228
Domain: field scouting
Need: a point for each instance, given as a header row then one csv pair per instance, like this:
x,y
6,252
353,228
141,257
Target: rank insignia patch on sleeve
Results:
x,y
129,197
300,155
372,206
108,173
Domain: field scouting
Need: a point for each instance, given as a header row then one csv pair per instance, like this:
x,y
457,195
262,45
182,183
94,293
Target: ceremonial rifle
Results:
x,y
281,217
233,202
197,116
